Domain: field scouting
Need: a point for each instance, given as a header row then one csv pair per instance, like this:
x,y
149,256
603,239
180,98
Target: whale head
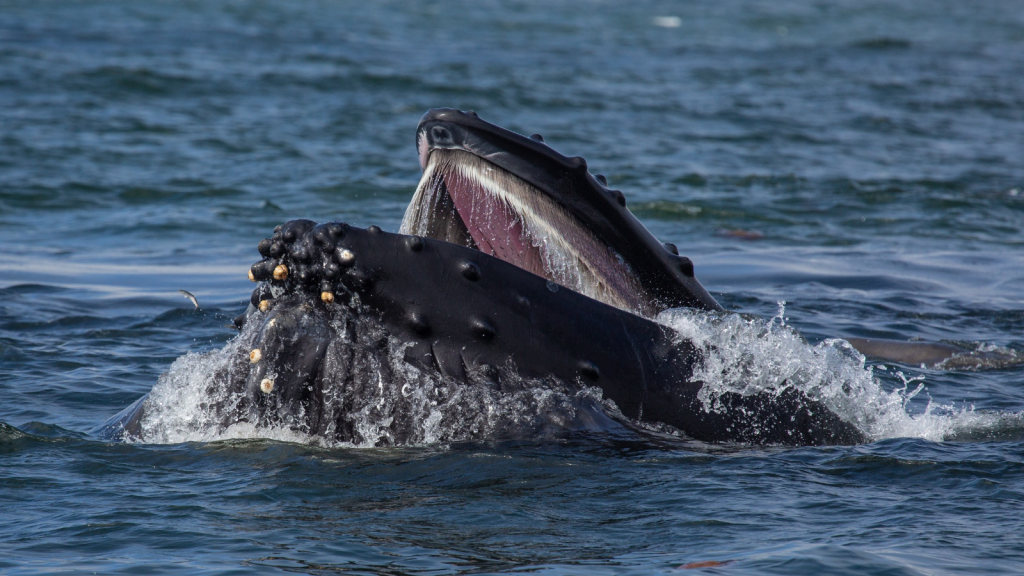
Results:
x,y
516,198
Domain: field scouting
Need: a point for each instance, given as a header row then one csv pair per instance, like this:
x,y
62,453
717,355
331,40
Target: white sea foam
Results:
x,y
188,400
749,355
394,404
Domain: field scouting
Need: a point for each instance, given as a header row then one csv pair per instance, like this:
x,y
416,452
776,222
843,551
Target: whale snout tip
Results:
x,y
435,130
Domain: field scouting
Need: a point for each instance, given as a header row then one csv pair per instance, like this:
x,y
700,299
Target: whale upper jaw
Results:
x,y
520,200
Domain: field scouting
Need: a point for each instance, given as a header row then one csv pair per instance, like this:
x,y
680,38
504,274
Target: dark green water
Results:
x,y
870,151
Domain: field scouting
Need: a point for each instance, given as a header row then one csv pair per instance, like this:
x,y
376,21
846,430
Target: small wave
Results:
x,y
16,438
749,355
882,44
141,80
9,434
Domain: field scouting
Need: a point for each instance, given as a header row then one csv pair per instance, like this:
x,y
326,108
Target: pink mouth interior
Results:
x,y
494,227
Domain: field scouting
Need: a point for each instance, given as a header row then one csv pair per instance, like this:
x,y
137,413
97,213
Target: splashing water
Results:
x,y
392,403
188,402
749,355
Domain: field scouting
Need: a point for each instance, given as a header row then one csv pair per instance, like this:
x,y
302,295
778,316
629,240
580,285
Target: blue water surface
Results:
x,y
861,161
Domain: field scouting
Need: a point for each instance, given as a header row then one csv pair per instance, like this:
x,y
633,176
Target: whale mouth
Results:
x,y
516,198
466,200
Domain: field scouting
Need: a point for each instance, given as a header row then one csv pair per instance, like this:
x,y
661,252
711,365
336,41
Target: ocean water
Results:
x,y
860,161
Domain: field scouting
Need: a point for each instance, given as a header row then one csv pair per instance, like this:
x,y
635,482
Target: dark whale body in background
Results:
x,y
470,318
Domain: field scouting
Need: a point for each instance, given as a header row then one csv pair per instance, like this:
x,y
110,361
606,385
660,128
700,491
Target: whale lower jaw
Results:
x,y
341,315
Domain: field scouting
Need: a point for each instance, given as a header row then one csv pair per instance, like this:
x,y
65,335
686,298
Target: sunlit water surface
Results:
x,y
859,161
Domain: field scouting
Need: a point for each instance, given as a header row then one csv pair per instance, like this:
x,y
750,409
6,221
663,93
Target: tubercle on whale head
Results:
x,y
635,271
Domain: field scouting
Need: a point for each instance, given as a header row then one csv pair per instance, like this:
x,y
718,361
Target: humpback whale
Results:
x,y
514,267
333,296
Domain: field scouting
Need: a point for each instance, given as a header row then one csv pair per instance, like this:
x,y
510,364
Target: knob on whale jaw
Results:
x,y
461,314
